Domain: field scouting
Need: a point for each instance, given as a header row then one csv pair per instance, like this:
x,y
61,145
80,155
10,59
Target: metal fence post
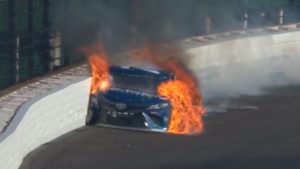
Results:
x,y
281,15
245,25
208,25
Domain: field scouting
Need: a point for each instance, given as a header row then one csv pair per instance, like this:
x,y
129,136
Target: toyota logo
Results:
x,y
121,106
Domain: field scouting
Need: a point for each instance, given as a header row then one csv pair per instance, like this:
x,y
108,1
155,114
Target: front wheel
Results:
x,y
92,117
138,122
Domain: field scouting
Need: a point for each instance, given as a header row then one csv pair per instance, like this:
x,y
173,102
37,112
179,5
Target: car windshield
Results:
x,y
146,84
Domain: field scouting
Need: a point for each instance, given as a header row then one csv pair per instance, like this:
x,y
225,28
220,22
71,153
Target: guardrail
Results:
x,y
240,49
43,119
11,102
269,60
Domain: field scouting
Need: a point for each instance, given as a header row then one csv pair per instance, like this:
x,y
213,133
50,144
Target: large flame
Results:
x,y
100,68
185,118
183,92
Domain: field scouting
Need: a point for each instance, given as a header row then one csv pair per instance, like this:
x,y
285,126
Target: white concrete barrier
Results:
x,y
244,50
246,66
43,119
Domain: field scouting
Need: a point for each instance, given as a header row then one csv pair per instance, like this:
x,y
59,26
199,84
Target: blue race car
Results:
x,y
132,101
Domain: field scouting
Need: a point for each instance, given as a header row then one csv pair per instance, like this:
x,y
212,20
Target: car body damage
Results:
x,y
132,101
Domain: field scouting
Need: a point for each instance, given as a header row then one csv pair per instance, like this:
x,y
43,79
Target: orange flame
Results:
x,y
185,118
100,68
183,93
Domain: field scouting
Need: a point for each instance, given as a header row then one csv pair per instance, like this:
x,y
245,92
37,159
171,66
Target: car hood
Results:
x,y
130,98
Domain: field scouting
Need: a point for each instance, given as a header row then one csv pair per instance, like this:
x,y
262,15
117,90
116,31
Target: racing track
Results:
x,y
267,138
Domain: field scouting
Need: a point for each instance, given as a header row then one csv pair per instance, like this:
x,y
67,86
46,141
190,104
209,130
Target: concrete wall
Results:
x,y
43,119
245,50
246,66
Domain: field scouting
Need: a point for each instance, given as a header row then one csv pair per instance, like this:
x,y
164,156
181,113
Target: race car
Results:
x,y
132,100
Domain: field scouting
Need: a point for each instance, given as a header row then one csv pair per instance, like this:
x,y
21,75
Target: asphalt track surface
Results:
x,y
266,138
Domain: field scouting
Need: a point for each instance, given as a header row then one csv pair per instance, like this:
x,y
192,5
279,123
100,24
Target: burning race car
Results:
x,y
132,100
148,99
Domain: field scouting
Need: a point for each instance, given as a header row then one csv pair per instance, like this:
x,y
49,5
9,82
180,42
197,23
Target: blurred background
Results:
x,y
40,36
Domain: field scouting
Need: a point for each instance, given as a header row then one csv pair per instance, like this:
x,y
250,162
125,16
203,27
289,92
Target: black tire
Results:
x,y
138,121
92,117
